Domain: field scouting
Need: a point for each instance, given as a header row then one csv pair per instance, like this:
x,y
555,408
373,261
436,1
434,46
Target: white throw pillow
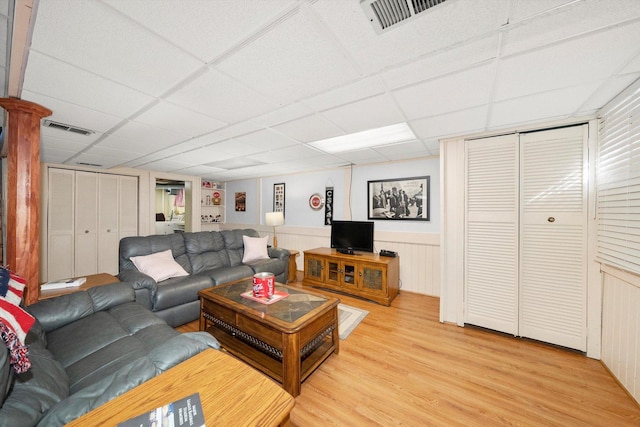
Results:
x,y
161,265
255,248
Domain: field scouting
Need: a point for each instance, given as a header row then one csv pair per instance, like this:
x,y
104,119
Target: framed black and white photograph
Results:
x,y
399,199
278,197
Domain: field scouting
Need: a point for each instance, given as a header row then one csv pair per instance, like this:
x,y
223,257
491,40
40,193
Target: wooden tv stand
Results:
x,y
363,274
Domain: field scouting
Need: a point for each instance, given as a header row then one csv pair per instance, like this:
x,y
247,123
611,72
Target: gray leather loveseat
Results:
x,y
209,258
85,349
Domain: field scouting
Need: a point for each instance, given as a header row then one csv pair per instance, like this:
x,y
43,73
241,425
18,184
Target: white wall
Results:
x,y
417,242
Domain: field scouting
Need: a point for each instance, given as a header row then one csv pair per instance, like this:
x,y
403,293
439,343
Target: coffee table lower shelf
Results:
x,y
307,349
266,363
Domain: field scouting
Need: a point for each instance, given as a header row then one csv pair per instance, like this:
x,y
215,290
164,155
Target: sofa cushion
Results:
x,y
229,274
35,391
179,291
271,265
161,265
255,249
234,243
146,245
205,251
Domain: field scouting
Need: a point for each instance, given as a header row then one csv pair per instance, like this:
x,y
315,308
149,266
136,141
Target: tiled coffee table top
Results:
x,y
289,309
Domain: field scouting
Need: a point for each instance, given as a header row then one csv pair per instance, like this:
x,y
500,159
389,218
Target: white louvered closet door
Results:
x,y
553,224
491,235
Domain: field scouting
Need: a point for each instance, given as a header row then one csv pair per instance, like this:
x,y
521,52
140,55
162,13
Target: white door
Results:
x,y
491,235
86,224
526,235
128,206
60,224
553,244
108,233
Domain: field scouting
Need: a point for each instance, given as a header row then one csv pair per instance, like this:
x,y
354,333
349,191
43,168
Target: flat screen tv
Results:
x,y
352,235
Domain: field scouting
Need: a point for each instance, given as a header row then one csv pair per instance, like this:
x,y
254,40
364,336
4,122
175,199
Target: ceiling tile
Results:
x,y
217,95
456,123
282,115
370,113
459,91
149,136
296,152
58,80
441,63
540,107
266,139
412,147
99,34
310,128
569,19
168,116
589,58
204,28
360,89
294,60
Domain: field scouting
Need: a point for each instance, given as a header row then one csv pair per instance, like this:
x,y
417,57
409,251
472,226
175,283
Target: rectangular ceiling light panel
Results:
x,y
386,135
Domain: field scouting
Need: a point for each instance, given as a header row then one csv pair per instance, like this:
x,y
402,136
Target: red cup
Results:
x,y
263,285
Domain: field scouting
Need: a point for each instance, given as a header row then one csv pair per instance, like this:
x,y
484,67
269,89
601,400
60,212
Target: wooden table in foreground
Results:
x,y
92,280
286,340
232,394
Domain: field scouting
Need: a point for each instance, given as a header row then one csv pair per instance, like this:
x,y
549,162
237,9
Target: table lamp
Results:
x,y
274,219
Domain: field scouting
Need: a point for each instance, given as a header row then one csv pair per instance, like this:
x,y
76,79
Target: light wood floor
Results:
x,y
401,366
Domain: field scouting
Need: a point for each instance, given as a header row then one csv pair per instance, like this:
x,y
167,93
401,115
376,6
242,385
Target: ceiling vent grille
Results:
x,y
384,14
67,128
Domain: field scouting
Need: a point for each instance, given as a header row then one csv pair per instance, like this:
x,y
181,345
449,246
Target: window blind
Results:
x,y
618,181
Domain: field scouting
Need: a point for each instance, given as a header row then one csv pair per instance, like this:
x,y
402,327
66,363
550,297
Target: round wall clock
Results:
x,y
315,201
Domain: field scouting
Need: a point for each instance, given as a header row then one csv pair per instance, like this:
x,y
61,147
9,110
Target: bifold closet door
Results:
x,y
491,235
61,224
108,233
553,237
86,227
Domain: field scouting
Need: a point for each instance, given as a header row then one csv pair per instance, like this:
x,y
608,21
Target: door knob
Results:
x,y
551,219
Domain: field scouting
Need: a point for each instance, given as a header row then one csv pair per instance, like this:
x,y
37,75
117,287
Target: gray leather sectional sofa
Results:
x,y
210,257
85,349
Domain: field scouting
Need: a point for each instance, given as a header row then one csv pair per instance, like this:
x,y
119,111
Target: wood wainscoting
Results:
x,y
419,252
401,366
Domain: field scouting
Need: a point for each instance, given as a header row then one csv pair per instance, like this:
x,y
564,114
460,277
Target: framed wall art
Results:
x,y
278,197
241,201
399,199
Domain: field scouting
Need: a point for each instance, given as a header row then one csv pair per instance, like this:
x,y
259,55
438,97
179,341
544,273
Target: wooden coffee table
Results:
x,y
219,378
286,340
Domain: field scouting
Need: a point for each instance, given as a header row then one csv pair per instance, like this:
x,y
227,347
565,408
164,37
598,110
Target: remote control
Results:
x,y
384,252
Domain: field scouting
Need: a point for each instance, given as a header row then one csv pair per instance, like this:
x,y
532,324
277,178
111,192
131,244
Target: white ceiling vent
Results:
x,y
67,128
384,14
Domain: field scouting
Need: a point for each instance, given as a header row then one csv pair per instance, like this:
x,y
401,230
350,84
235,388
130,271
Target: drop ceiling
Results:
x,y
236,89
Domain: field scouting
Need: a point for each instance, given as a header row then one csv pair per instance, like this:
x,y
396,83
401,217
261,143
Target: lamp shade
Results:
x,y
274,218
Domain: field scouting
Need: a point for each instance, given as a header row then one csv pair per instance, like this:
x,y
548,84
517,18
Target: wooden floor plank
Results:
x,y
401,366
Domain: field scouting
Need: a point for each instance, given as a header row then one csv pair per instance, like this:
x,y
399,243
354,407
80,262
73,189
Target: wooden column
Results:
x,y
23,191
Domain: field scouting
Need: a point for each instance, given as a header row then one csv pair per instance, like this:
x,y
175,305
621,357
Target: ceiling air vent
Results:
x,y
384,14
67,128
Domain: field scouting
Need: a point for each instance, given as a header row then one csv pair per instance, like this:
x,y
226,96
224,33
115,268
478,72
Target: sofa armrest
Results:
x,y
279,253
138,280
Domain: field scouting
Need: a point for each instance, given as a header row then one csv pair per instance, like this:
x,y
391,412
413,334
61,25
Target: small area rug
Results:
x,y
348,318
